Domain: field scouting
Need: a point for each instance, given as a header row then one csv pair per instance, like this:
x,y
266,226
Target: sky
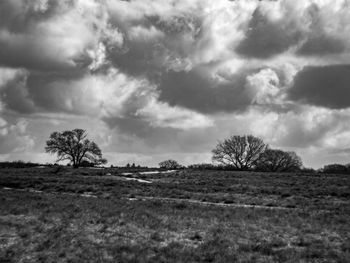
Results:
x,y
159,79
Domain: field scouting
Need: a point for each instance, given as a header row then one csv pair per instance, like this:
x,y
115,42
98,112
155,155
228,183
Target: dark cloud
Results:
x,y
326,86
199,93
27,54
16,97
265,38
50,91
173,37
45,92
138,58
322,45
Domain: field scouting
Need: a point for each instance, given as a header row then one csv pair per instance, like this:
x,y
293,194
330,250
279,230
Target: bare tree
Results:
x,y
242,152
279,161
74,147
169,164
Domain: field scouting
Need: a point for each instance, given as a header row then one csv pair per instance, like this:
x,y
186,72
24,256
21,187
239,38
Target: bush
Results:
x,y
274,160
170,164
336,169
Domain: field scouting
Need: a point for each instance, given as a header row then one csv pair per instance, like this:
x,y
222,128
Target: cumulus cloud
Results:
x,y
160,114
265,86
326,86
45,35
189,72
324,35
266,38
200,92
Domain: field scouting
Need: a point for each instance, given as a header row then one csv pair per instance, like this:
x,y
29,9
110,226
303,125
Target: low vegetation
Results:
x,y
60,214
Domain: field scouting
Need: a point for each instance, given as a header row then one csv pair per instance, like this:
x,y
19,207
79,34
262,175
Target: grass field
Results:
x,y
91,215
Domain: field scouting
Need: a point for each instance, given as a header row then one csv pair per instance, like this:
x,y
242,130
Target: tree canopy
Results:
x,y
169,164
273,160
336,168
74,147
242,152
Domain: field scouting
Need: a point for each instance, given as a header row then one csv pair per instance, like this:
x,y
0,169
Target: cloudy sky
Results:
x,y
158,79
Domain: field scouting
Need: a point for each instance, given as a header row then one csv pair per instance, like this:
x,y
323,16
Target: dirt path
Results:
x,y
191,201
151,172
162,199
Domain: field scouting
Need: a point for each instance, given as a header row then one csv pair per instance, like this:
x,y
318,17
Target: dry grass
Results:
x,y
55,227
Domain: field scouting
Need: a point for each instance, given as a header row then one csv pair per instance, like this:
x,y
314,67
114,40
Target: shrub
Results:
x,y
169,164
273,160
336,168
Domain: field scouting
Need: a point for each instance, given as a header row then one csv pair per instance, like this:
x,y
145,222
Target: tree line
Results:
x,y
238,152
246,153
249,152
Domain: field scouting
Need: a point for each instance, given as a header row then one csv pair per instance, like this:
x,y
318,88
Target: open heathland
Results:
x,y
61,214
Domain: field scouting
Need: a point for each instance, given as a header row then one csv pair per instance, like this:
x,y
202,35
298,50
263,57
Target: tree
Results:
x,y
74,147
336,169
279,161
169,164
241,152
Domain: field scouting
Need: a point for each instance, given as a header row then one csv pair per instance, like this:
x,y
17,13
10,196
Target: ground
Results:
x,y
100,215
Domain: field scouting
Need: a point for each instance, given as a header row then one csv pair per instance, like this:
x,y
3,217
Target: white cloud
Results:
x,y
141,33
8,74
62,39
265,86
161,114
13,137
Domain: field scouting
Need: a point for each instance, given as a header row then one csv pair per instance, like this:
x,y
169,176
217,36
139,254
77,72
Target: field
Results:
x,y
102,215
